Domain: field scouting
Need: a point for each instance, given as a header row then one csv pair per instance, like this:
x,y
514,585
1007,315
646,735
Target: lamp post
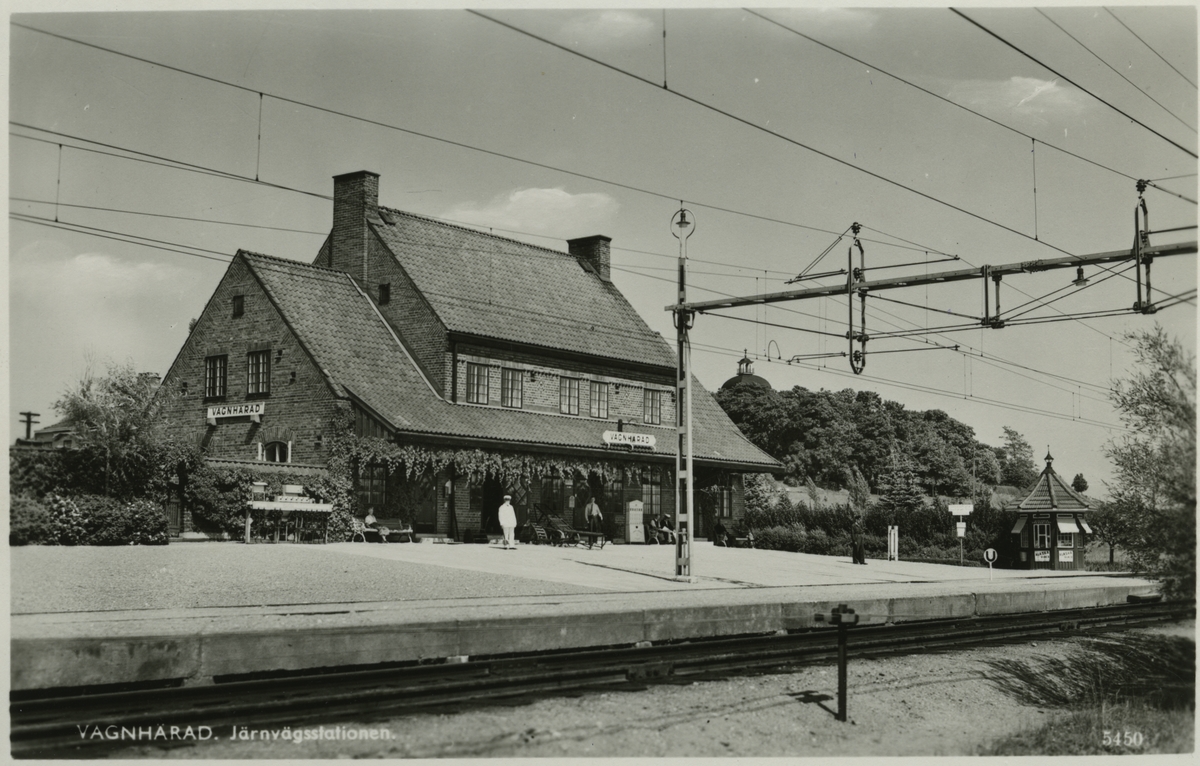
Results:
x,y
681,228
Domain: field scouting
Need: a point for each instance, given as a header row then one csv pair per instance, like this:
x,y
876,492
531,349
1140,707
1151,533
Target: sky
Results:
x,y
547,125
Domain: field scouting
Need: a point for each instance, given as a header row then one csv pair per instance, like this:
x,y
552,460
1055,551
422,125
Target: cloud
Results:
x,y
65,307
540,211
87,276
1022,96
827,20
611,27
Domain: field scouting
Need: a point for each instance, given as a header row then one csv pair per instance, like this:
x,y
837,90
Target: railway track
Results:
x,y
48,724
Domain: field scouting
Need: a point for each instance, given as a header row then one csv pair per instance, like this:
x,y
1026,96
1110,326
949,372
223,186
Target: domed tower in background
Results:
x,y
745,375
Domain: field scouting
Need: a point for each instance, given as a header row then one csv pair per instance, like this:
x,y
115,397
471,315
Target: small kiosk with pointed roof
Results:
x,y
1052,529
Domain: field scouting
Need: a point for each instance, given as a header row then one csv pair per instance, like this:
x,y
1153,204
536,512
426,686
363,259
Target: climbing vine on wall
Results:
x,y
511,469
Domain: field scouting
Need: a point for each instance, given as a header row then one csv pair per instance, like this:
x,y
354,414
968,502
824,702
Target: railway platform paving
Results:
x,y
327,607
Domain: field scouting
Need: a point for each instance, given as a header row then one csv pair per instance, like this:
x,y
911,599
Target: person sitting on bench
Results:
x,y
720,535
372,525
652,531
668,529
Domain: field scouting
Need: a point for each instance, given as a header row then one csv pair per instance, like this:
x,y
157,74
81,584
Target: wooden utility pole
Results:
x,y
28,420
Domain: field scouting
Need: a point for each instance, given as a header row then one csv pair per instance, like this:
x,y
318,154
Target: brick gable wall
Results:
x,y
300,405
414,322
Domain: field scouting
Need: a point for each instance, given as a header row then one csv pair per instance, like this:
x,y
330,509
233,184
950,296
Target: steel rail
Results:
x,y
44,725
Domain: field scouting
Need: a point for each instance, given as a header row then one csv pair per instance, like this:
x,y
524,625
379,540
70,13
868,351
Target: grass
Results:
x,y
1082,732
1130,693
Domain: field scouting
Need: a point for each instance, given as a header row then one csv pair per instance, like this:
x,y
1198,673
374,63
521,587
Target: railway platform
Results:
x,y
194,614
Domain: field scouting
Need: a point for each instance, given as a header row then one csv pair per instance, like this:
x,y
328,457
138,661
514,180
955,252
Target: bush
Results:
x,y
781,514
111,522
66,520
818,542
781,538
34,472
29,523
834,519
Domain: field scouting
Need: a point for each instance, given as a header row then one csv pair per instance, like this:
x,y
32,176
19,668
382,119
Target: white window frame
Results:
x,y
216,376
258,373
568,395
1041,535
477,383
511,394
598,399
652,407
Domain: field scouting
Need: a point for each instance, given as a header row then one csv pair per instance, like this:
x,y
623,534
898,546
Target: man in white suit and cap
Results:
x,y
508,522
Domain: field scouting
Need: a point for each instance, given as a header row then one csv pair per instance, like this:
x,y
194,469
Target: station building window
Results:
x,y
215,368
370,487
651,492
477,383
568,396
725,501
598,399
258,373
510,388
277,452
652,407
239,305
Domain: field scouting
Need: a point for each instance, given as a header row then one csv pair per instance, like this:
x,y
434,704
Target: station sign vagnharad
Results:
x,y
254,409
629,439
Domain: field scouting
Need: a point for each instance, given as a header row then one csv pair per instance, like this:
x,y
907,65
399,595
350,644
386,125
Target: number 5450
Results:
x,y
1127,738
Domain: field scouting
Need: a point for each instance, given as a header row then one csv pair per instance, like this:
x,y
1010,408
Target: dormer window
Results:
x,y
385,293
239,305
477,383
652,407
568,396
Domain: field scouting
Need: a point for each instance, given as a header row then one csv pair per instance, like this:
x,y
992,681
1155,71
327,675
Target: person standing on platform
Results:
x,y
591,512
508,522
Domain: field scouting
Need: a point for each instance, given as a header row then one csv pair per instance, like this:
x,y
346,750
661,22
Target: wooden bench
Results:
x,y
591,538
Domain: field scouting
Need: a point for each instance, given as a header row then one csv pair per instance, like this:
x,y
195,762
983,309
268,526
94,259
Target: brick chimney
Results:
x,y
594,250
355,197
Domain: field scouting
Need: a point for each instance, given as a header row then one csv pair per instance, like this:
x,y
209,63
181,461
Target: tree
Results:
x,y
1153,498
1017,468
121,448
860,490
1079,484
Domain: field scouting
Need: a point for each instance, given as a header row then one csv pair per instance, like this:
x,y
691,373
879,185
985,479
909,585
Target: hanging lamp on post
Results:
x,y
683,227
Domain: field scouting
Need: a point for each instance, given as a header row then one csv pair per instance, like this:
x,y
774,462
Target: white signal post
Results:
x,y
961,512
681,229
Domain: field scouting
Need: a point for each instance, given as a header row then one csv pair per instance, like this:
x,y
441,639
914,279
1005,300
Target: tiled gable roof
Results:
x,y
501,288
1049,493
353,346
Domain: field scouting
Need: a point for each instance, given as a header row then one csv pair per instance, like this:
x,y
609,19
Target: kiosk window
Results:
x,y
1041,534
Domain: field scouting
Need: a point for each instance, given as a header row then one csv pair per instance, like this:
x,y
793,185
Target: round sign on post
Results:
x,y
990,557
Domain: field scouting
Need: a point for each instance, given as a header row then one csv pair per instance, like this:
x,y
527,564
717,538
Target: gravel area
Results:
x,y
84,579
921,705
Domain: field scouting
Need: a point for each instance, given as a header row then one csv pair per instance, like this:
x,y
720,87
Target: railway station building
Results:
x,y
438,368
1052,530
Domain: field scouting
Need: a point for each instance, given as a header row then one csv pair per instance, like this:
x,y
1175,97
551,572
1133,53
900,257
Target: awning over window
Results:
x,y
1018,526
1066,524
1085,526
273,505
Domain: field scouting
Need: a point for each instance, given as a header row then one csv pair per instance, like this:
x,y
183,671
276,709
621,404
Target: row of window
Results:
x,y
511,393
1041,536
258,374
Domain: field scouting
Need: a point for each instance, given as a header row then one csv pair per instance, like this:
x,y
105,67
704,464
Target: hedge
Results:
x,y
86,520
